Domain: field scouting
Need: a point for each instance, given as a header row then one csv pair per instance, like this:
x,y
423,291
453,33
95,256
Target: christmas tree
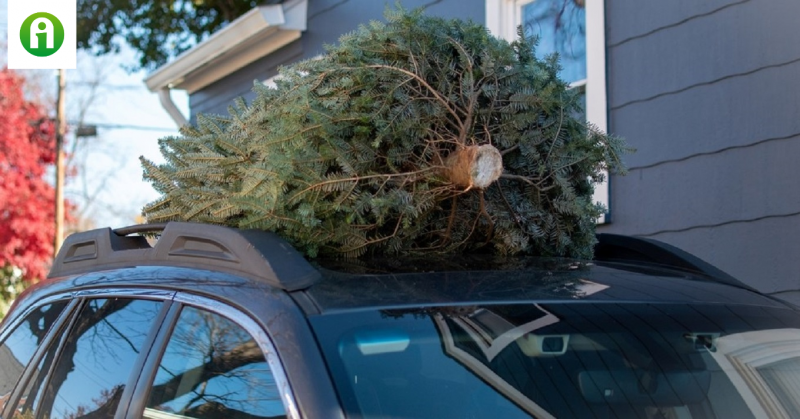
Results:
x,y
417,135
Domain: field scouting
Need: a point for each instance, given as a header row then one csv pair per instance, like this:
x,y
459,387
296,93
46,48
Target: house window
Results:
x,y
561,27
576,30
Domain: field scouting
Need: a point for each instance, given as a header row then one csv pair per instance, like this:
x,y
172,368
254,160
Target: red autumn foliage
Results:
x,y
27,148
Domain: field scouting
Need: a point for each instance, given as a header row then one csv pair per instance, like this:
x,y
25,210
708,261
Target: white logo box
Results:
x,y
19,10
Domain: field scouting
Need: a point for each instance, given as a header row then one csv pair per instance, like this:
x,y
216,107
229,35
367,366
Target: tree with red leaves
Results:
x,y
27,147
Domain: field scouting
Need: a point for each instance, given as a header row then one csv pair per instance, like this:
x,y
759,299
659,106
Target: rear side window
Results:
x,y
94,363
19,347
213,368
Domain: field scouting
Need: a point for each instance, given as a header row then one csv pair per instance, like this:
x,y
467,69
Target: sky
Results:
x,y
130,121
107,187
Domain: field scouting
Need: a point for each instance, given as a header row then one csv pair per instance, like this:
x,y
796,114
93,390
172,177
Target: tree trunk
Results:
x,y
474,166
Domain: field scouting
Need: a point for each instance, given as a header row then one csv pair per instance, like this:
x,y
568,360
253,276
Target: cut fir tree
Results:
x,y
418,135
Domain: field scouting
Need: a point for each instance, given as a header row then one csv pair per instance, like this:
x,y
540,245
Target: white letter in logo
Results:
x,y
42,25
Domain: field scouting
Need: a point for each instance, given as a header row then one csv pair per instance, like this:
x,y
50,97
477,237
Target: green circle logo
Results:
x,y
42,34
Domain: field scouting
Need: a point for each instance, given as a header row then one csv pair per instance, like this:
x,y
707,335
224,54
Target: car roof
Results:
x,y
537,280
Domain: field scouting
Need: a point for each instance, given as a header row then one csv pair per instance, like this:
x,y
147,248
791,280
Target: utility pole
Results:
x,y
61,130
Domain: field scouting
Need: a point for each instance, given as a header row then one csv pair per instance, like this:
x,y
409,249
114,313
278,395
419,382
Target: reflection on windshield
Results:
x,y
764,366
491,334
566,360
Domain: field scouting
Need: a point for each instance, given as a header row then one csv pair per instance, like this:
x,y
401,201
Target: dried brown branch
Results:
x,y
444,102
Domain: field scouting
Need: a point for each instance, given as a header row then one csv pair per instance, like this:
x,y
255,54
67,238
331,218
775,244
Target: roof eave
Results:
x,y
253,35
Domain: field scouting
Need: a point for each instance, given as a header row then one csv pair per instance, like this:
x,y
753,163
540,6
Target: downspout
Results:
x,y
164,95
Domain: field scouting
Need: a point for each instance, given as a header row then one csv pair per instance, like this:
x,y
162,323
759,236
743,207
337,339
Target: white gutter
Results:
x,y
252,36
164,95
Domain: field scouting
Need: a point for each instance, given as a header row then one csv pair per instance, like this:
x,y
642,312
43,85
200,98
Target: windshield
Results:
x,y
565,360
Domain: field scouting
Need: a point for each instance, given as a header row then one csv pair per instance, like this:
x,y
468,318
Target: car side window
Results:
x,y
94,362
213,368
18,349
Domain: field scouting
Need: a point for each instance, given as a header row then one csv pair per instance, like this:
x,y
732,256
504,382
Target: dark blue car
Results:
x,y
212,322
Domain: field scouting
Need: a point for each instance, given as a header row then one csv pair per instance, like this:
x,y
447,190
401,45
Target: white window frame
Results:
x,y
502,19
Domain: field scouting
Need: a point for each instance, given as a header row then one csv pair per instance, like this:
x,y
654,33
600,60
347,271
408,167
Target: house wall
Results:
x,y
327,21
708,93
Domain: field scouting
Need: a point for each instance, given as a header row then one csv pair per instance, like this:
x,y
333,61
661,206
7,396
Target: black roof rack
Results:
x,y
251,253
265,256
619,248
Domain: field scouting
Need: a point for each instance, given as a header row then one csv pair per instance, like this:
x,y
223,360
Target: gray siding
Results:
x,y
327,21
630,19
216,97
763,251
708,94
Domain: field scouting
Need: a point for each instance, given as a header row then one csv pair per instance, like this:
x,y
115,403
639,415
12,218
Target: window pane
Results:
x,y
18,349
561,27
95,362
212,368
565,360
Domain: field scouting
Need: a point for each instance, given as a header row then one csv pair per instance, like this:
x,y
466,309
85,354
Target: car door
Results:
x,y
23,337
213,361
89,361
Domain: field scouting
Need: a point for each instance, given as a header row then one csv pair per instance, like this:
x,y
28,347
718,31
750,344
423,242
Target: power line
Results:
x,y
135,127
110,86
126,126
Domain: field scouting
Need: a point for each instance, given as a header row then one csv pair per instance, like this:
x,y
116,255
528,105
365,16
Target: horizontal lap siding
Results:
x,y
327,21
737,185
709,94
215,98
630,19
762,253
734,112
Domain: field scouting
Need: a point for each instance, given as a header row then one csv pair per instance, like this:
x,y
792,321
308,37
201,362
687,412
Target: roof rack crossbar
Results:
x,y
252,253
620,248
140,228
